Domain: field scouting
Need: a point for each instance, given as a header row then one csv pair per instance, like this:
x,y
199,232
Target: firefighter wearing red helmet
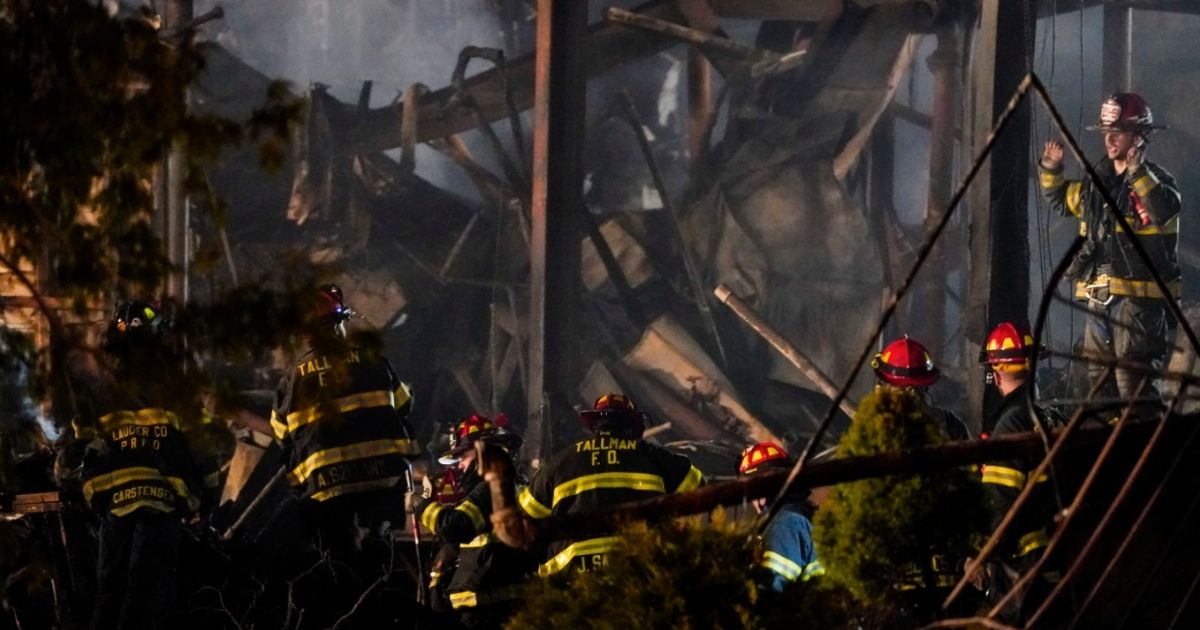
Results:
x,y
1007,353
1129,319
613,466
788,554
484,587
906,364
340,416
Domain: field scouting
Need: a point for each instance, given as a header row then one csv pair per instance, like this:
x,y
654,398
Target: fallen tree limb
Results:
x,y
816,474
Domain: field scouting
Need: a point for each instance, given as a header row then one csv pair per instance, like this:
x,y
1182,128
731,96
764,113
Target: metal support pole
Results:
x,y
177,14
558,120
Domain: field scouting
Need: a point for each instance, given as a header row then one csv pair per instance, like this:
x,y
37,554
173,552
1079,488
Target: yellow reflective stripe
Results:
x,y
691,481
430,514
141,503
1129,288
782,565
1082,227
481,540
362,450
108,481
1002,476
815,569
434,576
278,426
359,486
1144,183
465,599
143,418
472,511
631,481
345,404
469,599
1170,227
1032,542
1075,198
531,505
1051,179
401,396
588,547
82,432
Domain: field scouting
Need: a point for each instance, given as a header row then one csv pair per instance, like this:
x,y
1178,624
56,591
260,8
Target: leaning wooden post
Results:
x,y
777,341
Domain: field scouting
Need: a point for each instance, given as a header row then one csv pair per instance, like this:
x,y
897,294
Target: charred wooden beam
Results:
x,y
700,105
755,62
605,48
690,424
691,269
558,130
791,10
616,274
998,271
409,123
781,344
944,65
849,154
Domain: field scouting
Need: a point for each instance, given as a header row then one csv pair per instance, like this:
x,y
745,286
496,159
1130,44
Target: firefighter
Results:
x,y
484,587
340,416
906,364
144,468
613,466
1007,354
1129,319
446,490
788,554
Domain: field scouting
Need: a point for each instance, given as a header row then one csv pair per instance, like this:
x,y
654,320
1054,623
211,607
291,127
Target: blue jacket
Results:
x,y
788,550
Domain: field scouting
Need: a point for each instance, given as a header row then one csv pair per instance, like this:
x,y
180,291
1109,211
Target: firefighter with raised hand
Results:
x,y
340,415
906,364
142,466
1129,319
1007,353
484,587
613,466
788,554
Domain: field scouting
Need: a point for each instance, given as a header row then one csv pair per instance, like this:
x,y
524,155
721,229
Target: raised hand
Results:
x,y
1052,155
1133,158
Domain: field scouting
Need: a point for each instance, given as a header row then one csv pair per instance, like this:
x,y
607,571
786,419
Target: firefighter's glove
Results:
x,y
980,578
426,487
412,499
513,528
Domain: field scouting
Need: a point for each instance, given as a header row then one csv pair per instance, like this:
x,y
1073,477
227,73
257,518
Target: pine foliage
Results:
x,y
874,534
672,575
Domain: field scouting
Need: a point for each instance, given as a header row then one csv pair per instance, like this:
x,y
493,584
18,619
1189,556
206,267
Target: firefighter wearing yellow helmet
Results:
x,y
1007,353
788,554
